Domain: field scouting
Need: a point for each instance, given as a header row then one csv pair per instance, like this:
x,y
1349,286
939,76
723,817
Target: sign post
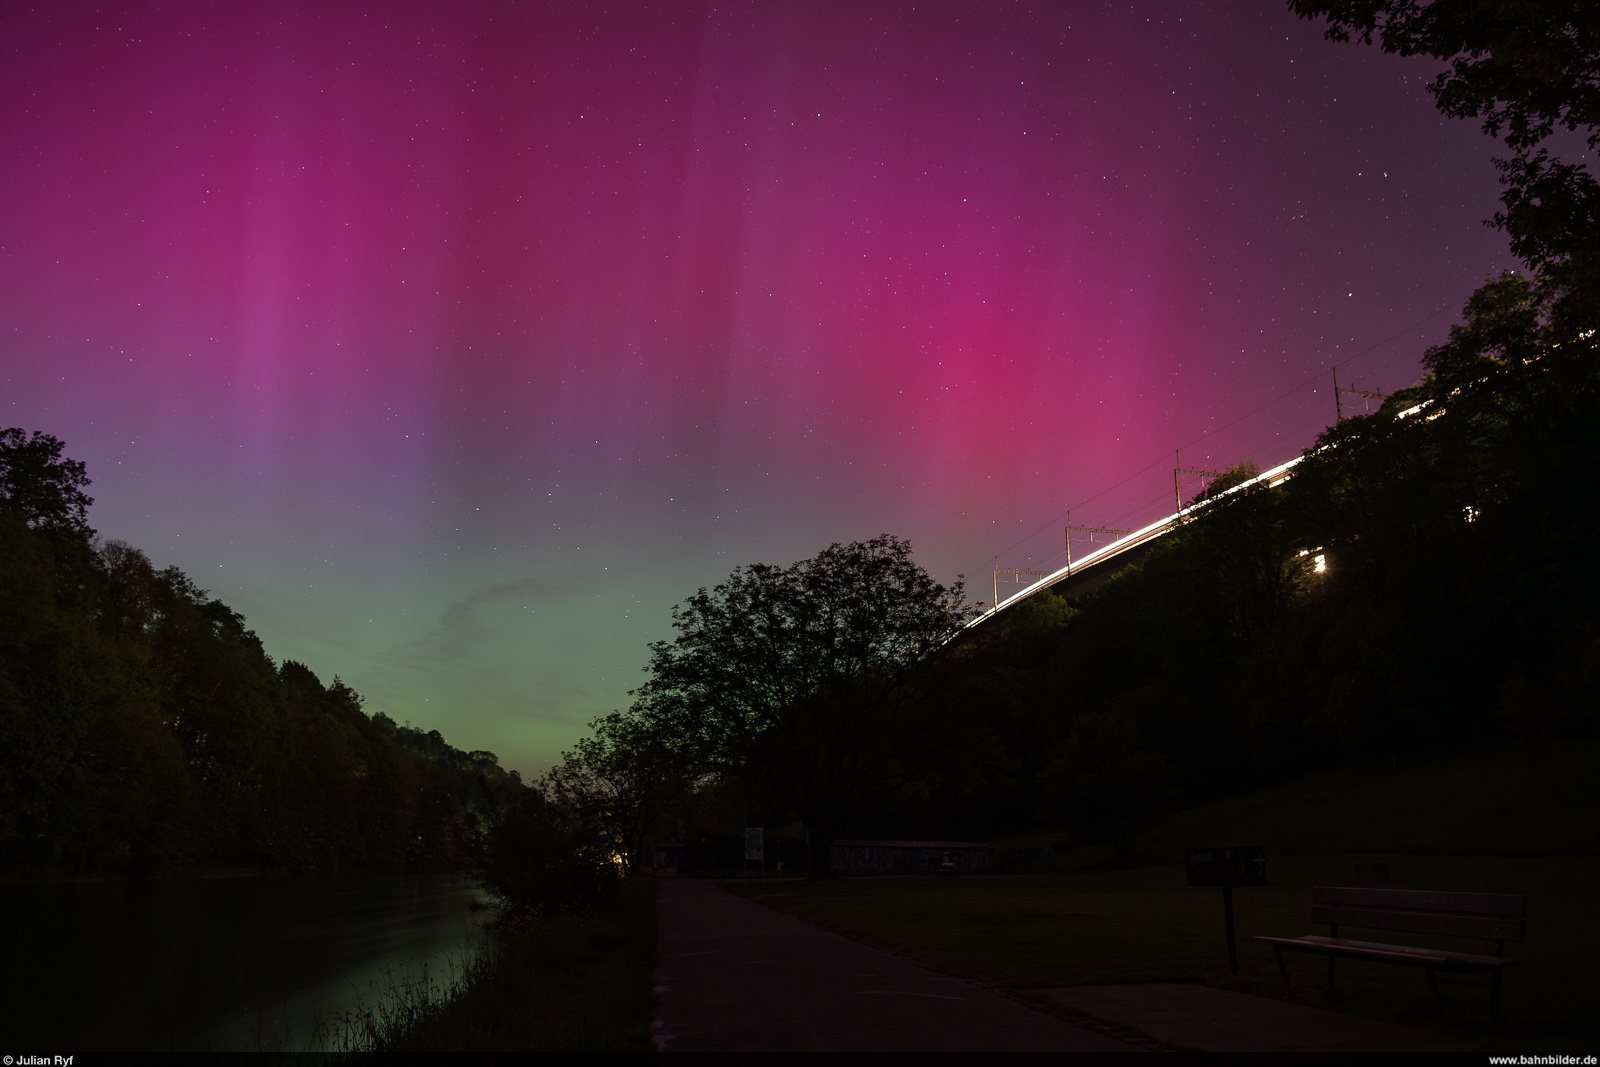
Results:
x,y
1240,865
753,849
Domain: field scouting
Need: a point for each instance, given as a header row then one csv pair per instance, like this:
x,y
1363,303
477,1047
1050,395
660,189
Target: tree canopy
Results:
x,y
43,489
629,777
807,684
1527,69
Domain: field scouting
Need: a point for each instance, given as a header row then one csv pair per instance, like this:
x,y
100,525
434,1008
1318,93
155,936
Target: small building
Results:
x,y
910,857
670,855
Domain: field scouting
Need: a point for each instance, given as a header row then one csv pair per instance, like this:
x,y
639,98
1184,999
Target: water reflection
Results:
x,y
211,963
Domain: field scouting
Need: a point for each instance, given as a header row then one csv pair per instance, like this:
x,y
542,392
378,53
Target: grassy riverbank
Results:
x,y
566,984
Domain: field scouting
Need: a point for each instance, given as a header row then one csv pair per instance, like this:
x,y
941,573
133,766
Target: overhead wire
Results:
x,y
1312,380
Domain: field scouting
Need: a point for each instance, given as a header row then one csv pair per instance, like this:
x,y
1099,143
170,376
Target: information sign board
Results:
x,y
1239,865
753,842
1228,868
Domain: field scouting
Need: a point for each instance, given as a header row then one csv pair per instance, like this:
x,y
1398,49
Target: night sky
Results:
x,y
453,344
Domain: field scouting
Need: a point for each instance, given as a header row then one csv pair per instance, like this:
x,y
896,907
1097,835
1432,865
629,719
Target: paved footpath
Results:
x,y
734,976
1215,1020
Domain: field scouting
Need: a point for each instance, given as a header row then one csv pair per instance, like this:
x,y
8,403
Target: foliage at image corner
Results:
x,y
1525,69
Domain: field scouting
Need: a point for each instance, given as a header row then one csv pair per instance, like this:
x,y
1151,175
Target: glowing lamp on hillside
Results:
x,y
1319,562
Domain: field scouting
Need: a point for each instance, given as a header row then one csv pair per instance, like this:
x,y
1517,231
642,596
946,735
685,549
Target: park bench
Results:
x,y
1496,917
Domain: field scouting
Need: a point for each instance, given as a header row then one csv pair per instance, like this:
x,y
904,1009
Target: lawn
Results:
x,y
1058,928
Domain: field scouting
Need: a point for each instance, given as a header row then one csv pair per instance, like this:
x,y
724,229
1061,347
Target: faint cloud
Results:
x,y
459,614
459,633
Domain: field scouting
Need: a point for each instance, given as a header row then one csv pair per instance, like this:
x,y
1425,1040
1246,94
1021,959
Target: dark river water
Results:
x,y
222,964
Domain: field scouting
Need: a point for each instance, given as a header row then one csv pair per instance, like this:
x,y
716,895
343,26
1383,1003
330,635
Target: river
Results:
x,y
222,964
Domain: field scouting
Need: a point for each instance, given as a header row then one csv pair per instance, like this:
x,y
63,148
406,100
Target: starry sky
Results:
x,y
454,343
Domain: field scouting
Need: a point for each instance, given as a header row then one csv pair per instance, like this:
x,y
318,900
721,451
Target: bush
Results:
x,y
540,860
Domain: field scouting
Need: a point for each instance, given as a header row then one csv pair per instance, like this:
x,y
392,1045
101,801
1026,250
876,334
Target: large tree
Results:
x,y
807,685
1526,69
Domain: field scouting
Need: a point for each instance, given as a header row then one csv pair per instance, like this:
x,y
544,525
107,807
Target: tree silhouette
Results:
x,y
807,684
629,777
1526,69
46,490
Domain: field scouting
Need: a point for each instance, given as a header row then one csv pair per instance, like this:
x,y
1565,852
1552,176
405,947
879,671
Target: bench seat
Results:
x,y
1496,917
1405,955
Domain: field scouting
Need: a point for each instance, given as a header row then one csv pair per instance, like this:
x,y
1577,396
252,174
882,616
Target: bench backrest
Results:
x,y
1491,916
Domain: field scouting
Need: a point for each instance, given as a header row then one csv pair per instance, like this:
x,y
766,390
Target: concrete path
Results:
x,y
1214,1020
734,976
